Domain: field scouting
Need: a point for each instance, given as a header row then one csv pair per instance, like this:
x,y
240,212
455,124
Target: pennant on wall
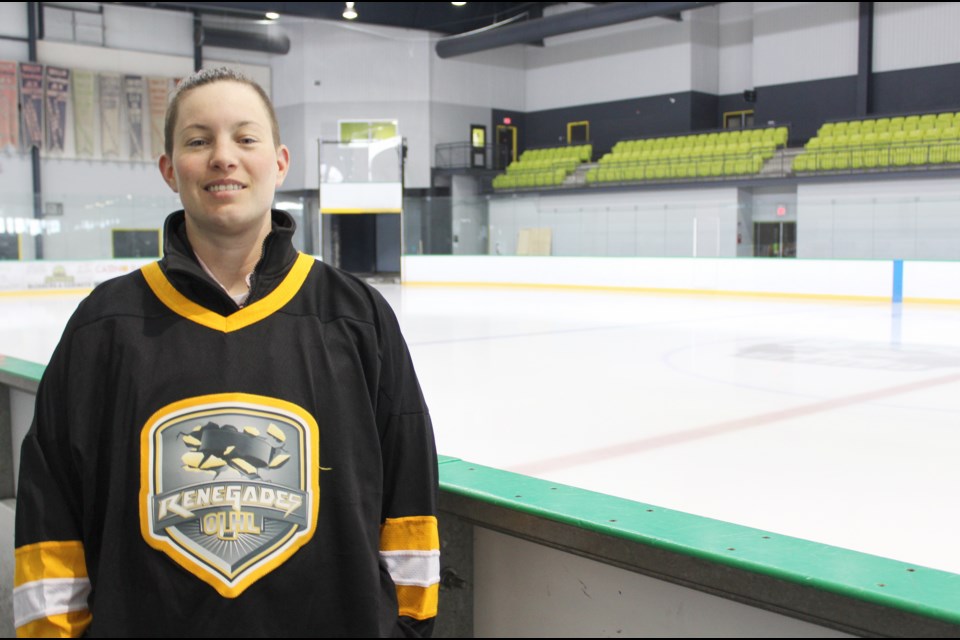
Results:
x,y
159,94
31,104
83,121
109,114
133,99
9,120
57,81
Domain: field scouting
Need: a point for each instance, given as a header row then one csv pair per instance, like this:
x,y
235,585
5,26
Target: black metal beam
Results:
x,y
245,41
197,41
865,61
35,33
534,30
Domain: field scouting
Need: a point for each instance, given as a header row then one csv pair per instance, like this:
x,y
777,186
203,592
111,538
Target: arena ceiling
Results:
x,y
440,17
476,26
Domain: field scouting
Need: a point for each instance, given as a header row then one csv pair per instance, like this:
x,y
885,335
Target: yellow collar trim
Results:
x,y
255,312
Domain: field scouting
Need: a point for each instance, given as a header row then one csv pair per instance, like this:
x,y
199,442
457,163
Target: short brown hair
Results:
x,y
209,76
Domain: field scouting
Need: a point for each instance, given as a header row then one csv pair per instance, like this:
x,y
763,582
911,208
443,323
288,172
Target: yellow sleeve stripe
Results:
x,y
66,625
418,603
45,560
414,533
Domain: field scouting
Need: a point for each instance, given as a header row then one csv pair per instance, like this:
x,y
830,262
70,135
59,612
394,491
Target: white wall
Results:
x,y
699,222
489,79
337,71
801,41
704,49
13,19
869,279
13,22
526,590
138,29
889,220
640,58
735,67
915,34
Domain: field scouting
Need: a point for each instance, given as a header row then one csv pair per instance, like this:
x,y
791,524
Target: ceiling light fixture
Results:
x,y
349,12
270,15
458,4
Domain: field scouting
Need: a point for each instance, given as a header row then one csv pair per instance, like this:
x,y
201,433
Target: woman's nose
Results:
x,y
224,155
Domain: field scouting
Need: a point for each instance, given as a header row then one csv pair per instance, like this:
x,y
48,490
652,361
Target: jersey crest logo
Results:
x,y
229,486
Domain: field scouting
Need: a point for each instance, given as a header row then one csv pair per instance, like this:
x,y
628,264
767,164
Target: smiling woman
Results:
x,y
226,163
175,454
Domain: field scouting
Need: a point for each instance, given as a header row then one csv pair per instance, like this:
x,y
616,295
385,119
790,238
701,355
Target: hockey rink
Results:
x,y
837,421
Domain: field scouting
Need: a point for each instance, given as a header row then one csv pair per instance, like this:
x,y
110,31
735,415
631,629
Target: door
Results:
x,y
506,146
738,119
775,239
578,132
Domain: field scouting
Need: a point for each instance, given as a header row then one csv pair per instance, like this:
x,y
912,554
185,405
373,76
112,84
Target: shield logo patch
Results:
x,y
229,486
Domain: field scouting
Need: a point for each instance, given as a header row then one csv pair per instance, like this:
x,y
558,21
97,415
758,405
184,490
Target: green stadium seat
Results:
x,y
932,135
919,155
900,156
856,158
937,153
953,152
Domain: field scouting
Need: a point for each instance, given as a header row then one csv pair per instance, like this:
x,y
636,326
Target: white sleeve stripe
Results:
x,y
413,569
43,598
425,554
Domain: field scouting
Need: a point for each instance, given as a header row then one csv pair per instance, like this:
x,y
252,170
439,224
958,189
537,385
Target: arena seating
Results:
x,y
703,155
882,144
543,167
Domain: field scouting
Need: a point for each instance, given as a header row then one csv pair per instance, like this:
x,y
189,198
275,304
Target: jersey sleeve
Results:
x,y
409,537
51,585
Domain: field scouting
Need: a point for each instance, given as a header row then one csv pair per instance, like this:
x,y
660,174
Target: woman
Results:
x,y
231,441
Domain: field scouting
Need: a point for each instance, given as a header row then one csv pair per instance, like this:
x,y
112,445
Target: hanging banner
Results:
x,y
83,93
109,114
159,94
57,91
31,104
133,99
9,117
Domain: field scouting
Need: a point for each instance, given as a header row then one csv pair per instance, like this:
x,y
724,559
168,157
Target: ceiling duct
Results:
x,y
245,40
532,31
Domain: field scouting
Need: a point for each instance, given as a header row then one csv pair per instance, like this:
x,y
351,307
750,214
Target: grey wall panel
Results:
x,y
611,122
926,89
806,105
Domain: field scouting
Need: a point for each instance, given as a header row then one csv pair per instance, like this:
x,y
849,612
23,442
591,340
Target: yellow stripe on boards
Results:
x,y
826,297
34,293
63,625
419,603
52,559
251,314
414,533
357,211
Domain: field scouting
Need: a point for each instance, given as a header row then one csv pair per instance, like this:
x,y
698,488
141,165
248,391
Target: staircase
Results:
x,y
579,177
780,164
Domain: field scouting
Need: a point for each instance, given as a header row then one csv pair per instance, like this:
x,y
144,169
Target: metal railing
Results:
x,y
463,155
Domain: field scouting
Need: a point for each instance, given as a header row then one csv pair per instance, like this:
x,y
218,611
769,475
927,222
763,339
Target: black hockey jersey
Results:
x,y
195,469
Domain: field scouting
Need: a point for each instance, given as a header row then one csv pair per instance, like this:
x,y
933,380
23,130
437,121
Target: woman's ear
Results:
x,y
283,163
169,175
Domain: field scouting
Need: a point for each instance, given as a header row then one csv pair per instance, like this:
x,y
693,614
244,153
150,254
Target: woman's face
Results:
x,y
224,166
